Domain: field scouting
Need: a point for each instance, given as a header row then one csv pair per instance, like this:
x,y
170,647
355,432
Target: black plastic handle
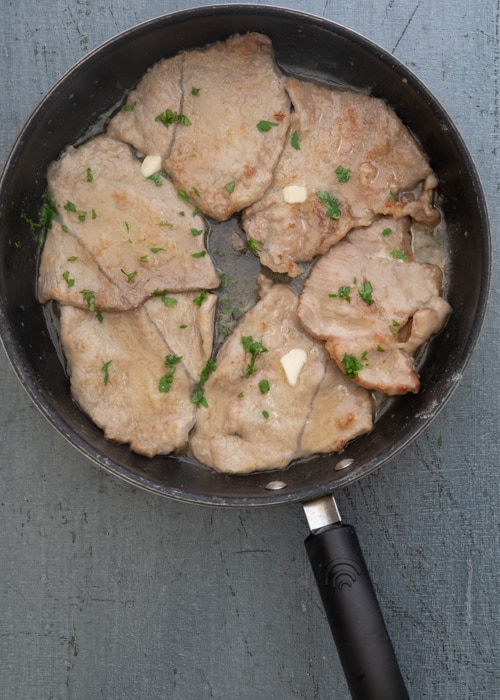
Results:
x,y
355,618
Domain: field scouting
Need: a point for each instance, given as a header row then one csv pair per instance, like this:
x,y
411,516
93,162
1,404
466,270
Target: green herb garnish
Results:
x,y
170,117
69,281
366,293
344,293
196,231
387,232
331,203
294,141
195,91
183,195
343,174
352,365
105,372
398,254
255,245
169,301
201,298
130,107
255,348
201,254
89,297
230,186
129,275
90,177
265,126
264,386
171,362
265,414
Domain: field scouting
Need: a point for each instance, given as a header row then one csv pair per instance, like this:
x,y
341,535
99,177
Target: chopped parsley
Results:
x,y
195,91
201,254
82,215
196,231
90,177
352,365
210,367
255,245
343,174
70,206
156,250
170,117
398,254
89,297
226,306
387,232
265,414
380,348
344,293
294,141
171,362
255,348
394,326
183,195
69,281
264,126
144,259
72,258
156,178
264,386
392,195
201,298
169,301
105,372
129,275
230,186
366,293
130,107
331,203
223,279
198,398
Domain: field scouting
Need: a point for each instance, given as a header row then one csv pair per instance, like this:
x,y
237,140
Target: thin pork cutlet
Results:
x,y
347,160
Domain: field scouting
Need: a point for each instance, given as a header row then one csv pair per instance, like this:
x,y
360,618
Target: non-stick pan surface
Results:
x,y
310,47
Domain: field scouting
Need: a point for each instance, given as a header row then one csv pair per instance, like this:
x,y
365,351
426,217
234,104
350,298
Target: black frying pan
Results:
x,y
310,47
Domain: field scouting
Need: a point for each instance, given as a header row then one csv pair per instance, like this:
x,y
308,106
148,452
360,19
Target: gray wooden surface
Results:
x,y
111,593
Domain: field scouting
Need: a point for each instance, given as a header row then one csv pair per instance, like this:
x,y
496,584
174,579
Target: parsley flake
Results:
x,y
331,203
201,254
195,91
387,232
254,245
264,126
264,386
366,293
171,362
90,177
352,365
69,281
105,372
129,275
230,186
89,297
398,254
201,298
294,141
255,348
343,174
170,117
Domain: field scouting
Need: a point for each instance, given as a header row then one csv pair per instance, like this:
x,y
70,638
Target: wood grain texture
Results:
x,y
109,592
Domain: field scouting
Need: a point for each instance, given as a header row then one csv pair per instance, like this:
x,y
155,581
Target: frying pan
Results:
x,y
310,47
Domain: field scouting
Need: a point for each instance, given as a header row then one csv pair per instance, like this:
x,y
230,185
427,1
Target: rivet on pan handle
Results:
x,y
351,606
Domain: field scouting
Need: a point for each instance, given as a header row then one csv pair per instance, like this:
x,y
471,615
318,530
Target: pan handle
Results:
x,y
352,609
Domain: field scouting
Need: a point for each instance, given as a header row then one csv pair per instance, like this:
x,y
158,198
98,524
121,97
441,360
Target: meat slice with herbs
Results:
x,y
151,113
67,270
348,159
186,321
275,395
128,379
238,113
374,304
140,235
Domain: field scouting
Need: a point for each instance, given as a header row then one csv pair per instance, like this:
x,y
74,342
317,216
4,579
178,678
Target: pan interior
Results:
x,y
306,46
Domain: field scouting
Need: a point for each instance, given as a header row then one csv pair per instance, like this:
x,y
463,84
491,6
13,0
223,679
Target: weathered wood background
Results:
x,y
111,593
